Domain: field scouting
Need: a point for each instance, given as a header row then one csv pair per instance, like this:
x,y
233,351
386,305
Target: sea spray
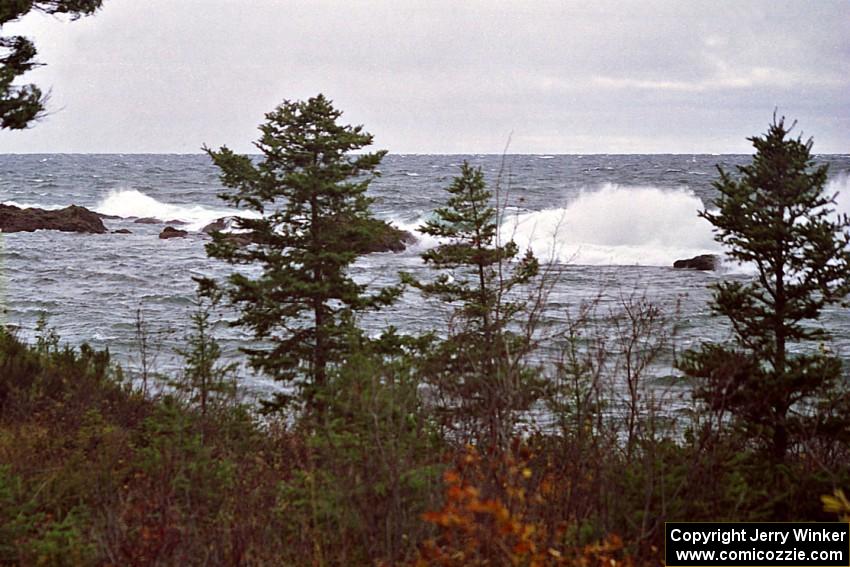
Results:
x,y
423,241
617,225
841,186
134,203
88,283
609,226
20,205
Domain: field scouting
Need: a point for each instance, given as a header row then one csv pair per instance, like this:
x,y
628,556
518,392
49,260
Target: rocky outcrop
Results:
x,y
706,262
218,225
223,225
121,231
381,236
171,232
69,219
238,239
384,237
151,220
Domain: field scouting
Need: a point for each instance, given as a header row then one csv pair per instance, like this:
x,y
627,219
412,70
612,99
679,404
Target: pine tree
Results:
x,y
479,367
777,217
21,104
310,191
206,379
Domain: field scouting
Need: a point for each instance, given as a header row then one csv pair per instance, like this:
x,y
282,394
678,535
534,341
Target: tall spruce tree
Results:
x,y
777,217
21,104
310,192
479,367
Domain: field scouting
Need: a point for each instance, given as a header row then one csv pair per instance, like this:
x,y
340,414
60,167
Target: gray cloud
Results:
x,y
440,76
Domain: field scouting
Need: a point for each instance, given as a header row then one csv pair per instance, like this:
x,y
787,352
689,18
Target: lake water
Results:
x,y
613,223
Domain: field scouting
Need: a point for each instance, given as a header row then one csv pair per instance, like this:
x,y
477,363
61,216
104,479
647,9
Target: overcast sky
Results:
x,y
444,76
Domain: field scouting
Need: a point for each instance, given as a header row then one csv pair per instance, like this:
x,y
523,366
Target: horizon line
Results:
x,y
538,154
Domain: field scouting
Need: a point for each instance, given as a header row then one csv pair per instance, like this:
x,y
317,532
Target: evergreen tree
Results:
x,y
478,368
315,221
777,217
206,379
21,104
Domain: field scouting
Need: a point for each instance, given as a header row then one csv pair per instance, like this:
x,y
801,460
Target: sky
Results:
x,y
435,76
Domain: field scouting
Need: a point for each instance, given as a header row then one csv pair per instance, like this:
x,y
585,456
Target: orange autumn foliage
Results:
x,y
488,518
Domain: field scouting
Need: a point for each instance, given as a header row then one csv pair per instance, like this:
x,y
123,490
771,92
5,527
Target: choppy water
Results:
x,y
614,223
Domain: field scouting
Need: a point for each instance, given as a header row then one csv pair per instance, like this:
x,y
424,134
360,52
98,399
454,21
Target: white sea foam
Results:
x,y
617,225
840,185
621,225
611,225
423,241
134,203
32,205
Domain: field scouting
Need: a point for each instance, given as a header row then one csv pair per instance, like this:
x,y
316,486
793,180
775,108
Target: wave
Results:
x,y
423,241
134,203
617,225
629,225
32,205
609,226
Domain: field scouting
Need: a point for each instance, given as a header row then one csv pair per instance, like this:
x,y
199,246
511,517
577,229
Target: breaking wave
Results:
x,y
32,205
610,225
628,225
134,203
617,225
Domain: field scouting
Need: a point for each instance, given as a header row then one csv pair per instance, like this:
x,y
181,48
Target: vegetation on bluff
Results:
x,y
409,451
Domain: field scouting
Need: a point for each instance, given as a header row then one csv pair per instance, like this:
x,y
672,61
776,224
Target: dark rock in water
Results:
x,y
381,236
109,217
702,262
224,223
152,220
218,225
121,231
238,239
171,232
384,237
69,219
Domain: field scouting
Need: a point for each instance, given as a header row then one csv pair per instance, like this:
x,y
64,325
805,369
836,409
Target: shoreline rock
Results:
x,y
238,239
152,220
171,232
387,238
69,219
383,236
704,262
218,225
